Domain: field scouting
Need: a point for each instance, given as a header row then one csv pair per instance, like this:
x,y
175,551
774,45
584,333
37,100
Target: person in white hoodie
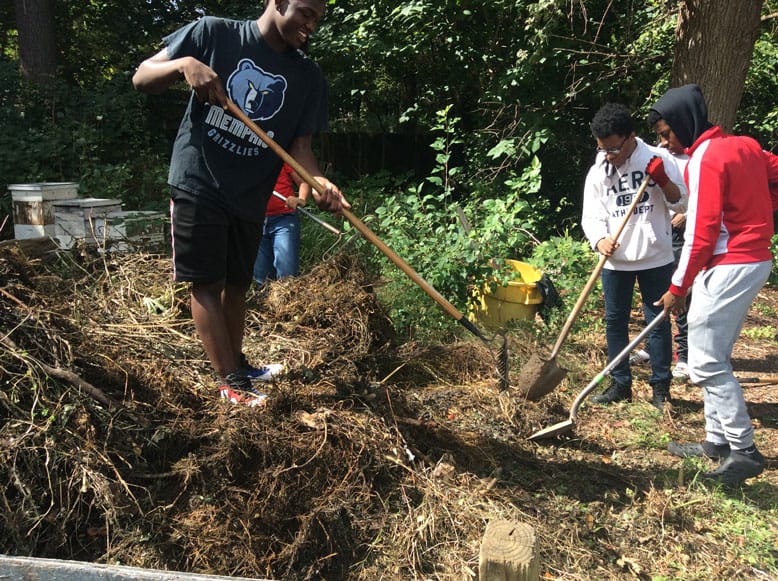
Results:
x,y
644,253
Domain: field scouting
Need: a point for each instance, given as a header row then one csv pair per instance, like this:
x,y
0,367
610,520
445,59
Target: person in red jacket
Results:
x,y
726,258
279,249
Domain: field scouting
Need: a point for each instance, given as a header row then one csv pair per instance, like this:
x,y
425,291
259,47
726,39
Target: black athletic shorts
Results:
x,y
209,243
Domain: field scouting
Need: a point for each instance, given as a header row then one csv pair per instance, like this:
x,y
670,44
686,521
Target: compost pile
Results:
x,y
115,447
373,458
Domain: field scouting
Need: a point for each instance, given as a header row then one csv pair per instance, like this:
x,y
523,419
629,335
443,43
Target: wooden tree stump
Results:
x,y
508,552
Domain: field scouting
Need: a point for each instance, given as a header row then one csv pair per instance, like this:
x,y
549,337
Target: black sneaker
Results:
x,y
738,467
660,394
699,450
616,392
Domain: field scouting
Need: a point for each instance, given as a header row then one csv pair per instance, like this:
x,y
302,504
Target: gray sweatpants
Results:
x,y
722,297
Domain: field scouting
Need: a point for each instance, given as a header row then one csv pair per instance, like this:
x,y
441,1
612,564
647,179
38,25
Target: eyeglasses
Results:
x,y
612,150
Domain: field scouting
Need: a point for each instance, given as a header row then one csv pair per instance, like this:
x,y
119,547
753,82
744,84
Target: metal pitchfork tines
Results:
x,y
502,355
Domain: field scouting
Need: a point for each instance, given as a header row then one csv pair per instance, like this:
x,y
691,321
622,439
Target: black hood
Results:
x,y
685,111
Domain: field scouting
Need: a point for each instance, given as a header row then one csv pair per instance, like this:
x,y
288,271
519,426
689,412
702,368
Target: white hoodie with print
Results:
x,y
646,241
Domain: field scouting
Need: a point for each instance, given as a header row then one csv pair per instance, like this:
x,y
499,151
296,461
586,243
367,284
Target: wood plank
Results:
x,y
57,570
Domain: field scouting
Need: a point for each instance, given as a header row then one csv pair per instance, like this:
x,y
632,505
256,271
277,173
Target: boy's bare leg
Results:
x,y
211,320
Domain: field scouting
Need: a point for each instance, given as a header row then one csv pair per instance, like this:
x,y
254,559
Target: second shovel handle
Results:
x,y
596,273
614,362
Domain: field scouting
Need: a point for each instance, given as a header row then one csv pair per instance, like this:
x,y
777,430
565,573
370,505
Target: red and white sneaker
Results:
x,y
237,389
681,370
640,357
247,399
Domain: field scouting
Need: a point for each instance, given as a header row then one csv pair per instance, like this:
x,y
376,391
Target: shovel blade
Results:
x,y
540,377
555,430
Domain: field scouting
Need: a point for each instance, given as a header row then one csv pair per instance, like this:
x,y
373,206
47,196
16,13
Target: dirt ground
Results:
x,y
374,459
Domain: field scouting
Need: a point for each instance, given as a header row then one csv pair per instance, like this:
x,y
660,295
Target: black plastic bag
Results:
x,y
551,298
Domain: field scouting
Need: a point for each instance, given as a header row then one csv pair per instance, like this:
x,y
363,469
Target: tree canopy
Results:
x,y
515,74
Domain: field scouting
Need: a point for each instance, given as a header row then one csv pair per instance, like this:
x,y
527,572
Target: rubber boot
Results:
x,y
615,392
661,394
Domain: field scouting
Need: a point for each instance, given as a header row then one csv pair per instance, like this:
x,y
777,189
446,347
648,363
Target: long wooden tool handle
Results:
x,y
596,273
356,222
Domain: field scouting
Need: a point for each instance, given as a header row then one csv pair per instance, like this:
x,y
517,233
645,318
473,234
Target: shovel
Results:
x,y
540,376
569,424
502,357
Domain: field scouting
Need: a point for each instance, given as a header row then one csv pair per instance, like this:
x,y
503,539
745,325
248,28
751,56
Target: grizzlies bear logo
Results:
x,y
259,94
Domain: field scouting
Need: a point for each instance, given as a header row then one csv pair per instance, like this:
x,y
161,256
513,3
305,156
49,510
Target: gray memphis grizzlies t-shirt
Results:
x,y
216,155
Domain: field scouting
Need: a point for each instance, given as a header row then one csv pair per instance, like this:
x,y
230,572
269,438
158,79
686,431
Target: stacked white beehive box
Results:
x,y
33,210
83,219
54,210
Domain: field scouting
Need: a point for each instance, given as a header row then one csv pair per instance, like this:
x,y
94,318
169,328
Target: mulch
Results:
x,y
373,457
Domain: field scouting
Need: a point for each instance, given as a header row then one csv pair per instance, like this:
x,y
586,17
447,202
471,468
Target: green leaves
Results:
x,y
456,234
94,136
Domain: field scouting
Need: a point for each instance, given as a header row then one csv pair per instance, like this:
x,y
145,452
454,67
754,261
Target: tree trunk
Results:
x,y
714,43
37,49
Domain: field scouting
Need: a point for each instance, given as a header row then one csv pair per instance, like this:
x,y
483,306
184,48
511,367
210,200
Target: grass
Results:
x,y
765,310
748,530
731,526
766,332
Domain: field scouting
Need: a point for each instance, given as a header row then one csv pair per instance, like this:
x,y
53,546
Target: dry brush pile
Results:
x,y
114,447
372,460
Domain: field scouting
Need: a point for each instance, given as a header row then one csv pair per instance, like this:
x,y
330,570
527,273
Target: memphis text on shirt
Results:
x,y
221,122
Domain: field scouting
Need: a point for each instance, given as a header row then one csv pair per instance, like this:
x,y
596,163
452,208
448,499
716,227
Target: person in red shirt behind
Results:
x,y
279,249
726,258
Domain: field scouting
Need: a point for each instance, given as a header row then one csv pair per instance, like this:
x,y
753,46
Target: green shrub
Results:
x,y
457,242
96,136
569,263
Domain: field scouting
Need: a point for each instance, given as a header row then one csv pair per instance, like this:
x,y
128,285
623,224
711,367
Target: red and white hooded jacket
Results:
x,y
730,214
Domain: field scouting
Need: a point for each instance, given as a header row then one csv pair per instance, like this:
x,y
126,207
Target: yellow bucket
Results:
x,y
521,299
